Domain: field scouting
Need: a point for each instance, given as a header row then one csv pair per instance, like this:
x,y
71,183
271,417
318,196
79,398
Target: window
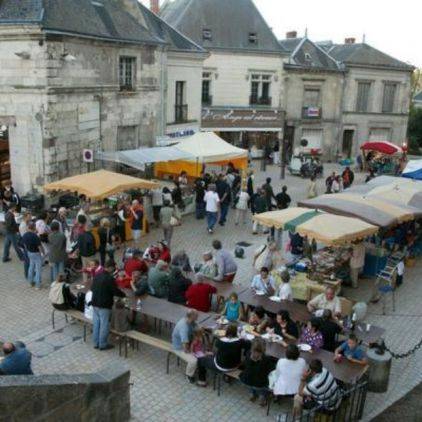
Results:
x,y
207,34
253,38
362,100
389,97
181,109
206,88
260,90
127,72
311,97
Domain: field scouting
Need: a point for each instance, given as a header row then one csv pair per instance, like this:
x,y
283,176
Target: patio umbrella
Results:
x,y
383,147
323,227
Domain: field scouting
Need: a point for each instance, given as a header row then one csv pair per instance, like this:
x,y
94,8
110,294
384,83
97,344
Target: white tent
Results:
x,y
207,147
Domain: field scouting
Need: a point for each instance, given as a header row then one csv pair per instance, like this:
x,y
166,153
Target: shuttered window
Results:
x,y
389,97
362,101
311,98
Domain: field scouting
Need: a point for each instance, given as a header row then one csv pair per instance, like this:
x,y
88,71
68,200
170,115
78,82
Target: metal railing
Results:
x,y
350,409
254,100
181,113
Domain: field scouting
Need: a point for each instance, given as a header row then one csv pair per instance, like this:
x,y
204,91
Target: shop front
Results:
x,y
253,129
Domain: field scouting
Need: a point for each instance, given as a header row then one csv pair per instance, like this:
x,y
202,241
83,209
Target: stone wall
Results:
x,y
103,396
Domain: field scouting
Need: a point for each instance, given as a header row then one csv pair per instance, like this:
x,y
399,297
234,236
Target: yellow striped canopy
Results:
x,y
100,184
326,228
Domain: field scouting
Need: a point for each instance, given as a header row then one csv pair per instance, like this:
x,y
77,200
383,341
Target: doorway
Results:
x,y
5,175
348,135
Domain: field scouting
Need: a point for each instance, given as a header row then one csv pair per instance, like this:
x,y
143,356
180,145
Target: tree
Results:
x,y
415,83
414,130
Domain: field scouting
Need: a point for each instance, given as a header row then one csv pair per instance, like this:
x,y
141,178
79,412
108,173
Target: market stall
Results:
x,y
413,170
99,186
383,157
207,150
318,269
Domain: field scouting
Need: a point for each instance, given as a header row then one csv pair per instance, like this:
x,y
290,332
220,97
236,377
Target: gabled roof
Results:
x,y
308,55
103,19
176,40
365,55
230,23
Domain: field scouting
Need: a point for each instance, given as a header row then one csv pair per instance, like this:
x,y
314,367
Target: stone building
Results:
x,y
241,83
84,74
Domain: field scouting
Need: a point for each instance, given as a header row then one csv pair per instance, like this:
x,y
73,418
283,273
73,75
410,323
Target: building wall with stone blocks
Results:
x,y
103,396
58,107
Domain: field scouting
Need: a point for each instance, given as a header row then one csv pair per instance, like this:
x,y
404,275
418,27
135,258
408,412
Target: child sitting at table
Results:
x,y
197,346
233,309
94,268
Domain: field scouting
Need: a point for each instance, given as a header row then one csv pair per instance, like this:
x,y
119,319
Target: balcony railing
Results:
x,y
207,100
254,100
181,113
311,113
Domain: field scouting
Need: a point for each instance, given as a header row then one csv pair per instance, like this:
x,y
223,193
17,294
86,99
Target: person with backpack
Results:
x,y
86,247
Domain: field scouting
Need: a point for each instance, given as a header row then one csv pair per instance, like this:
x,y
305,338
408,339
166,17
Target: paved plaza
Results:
x,y
25,315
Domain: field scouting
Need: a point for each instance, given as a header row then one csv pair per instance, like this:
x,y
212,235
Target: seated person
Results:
x,y
351,351
312,336
17,359
259,320
164,252
94,268
263,282
158,280
285,327
233,309
285,291
199,294
136,263
329,329
288,372
327,300
178,285
317,388
228,355
120,320
209,267
257,367
60,295
181,259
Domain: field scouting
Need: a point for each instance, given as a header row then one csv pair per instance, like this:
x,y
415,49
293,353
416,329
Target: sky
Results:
x,y
392,27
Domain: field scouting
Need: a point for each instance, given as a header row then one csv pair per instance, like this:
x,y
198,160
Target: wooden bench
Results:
x,y
150,341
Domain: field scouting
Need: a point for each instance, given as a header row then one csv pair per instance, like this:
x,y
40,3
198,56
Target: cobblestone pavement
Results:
x,y
25,314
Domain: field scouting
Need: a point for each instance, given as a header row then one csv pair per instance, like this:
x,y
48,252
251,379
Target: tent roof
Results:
x,y
326,228
413,169
384,147
100,184
207,147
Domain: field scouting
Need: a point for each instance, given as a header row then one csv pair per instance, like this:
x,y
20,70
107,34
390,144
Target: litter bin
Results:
x,y
379,370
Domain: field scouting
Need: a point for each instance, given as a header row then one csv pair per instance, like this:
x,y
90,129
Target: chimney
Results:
x,y
155,6
291,34
350,40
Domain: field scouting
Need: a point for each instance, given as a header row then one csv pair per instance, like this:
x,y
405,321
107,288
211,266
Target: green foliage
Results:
x,y
414,131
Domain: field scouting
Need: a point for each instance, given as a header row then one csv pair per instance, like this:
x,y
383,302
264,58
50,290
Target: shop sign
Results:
x,y
242,118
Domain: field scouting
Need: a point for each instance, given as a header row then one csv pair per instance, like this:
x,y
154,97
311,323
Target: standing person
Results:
x,y
276,153
9,197
357,262
312,188
259,205
43,230
329,182
177,196
226,264
181,339
169,215
269,193
400,273
157,203
224,193
336,185
137,215
348,177
34,249
283,199
242,206
103,291
199,199
57,251
106,235
86,247
212,206
61,218
23,226
12,230
250,184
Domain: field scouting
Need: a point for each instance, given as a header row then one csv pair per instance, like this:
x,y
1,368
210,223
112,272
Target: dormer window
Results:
x,y
253,38
207,34
308,57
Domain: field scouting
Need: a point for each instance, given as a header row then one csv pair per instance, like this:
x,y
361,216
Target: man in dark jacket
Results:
x,y
224,193
86,248
103,291
12,230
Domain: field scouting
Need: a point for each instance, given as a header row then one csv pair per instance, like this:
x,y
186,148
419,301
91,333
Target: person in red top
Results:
x,y
164,252
136,263
198,295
